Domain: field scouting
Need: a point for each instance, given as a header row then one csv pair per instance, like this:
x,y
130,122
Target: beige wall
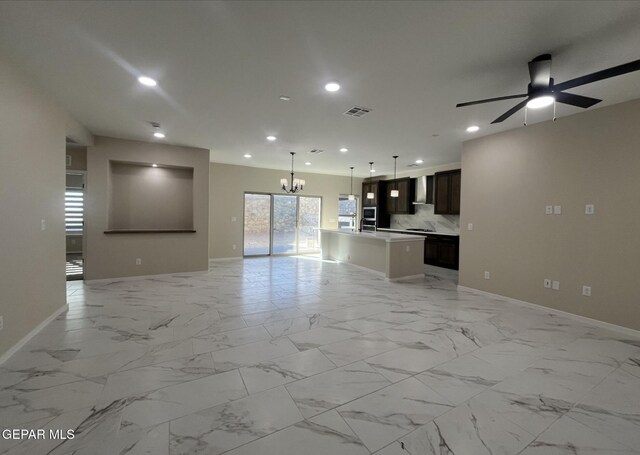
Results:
x,y
78,157
32,180
114,255
145,197
509,178
229,183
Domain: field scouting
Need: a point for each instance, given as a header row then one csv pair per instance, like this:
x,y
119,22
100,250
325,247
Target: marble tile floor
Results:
x,y
294,355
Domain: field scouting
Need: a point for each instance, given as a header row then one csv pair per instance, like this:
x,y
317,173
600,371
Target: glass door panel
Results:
x,y
257,224
285,214
309,224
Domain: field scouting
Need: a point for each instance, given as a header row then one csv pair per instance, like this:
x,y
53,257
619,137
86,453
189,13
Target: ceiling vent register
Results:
x,y
316,151
357,111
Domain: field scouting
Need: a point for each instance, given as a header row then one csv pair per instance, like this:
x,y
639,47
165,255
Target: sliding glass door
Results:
x,y
257,224
281,224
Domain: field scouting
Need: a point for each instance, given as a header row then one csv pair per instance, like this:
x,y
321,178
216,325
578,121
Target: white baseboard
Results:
x,y
31,334
605,325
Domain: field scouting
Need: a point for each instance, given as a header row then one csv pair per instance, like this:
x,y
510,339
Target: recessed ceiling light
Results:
x,y
285,98
541,101
473,129
332,87
308,163
144,80
344,149
271,138
373,170
154,165
247,155
419,161
159,135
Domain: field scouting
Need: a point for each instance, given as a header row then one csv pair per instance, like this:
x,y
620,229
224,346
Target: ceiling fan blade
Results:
x,y
511,111
599,75
540,71
490,100
575,100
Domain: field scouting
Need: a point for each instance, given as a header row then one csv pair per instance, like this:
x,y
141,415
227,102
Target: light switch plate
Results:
x,y
233,219
589,209
557,209
470,227
548,209
487,275
586,291
43,225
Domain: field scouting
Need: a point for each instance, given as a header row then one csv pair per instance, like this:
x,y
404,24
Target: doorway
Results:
x,y
279,224
74,225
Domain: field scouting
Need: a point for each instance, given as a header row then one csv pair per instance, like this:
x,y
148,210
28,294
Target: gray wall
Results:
x,y
509,178
114,255
32,181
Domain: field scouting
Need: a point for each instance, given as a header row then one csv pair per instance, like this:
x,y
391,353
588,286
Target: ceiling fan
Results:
x,y
543,92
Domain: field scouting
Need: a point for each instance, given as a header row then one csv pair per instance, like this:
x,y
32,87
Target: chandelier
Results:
x,y
296,184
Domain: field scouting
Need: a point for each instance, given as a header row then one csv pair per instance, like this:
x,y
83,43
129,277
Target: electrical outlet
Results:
x,y
470,227
233,219
138,261
557,210
233,246
555,285
487,275
586,291
408,248
589,209
547,283
1,322
43,225
548,209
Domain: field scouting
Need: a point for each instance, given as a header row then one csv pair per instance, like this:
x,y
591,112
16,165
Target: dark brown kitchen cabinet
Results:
x,y
371,187
403,204
447,197
442,251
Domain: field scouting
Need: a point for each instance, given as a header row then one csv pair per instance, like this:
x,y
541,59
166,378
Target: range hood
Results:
x,y
424,190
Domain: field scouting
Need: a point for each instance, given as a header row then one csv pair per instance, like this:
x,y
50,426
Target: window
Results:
x,y
347,213
74,211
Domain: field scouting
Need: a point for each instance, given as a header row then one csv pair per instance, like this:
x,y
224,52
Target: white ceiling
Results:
x,y
221,67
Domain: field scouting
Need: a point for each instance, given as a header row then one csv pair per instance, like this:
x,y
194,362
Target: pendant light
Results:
x,y
370,195
352,196
296,184
395,192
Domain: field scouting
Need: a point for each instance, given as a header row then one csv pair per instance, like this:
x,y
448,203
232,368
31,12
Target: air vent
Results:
x,y
357,111
316,151
412,165
70,141
155,124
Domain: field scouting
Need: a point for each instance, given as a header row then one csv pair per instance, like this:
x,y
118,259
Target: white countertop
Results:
x,y
386,236
455,234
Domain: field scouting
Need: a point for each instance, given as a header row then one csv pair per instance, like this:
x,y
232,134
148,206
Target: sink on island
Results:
x,y
392,255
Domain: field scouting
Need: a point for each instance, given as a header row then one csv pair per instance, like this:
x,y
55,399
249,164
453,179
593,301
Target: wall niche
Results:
x,y
144,198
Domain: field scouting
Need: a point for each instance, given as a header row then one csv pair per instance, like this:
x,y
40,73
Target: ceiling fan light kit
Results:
x,y
542,91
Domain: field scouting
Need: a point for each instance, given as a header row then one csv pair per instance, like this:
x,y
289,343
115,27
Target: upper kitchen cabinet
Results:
x,y
403,204
447,197
377,188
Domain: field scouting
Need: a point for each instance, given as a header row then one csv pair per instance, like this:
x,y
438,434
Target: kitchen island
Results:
x,y
389,254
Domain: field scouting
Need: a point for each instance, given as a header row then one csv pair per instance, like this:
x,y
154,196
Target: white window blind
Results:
x,y
74,210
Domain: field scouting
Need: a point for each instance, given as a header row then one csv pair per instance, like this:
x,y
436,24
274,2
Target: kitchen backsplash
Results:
x,y
425,218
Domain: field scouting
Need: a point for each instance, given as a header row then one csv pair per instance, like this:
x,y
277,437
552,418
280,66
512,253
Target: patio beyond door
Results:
x,y
281,224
